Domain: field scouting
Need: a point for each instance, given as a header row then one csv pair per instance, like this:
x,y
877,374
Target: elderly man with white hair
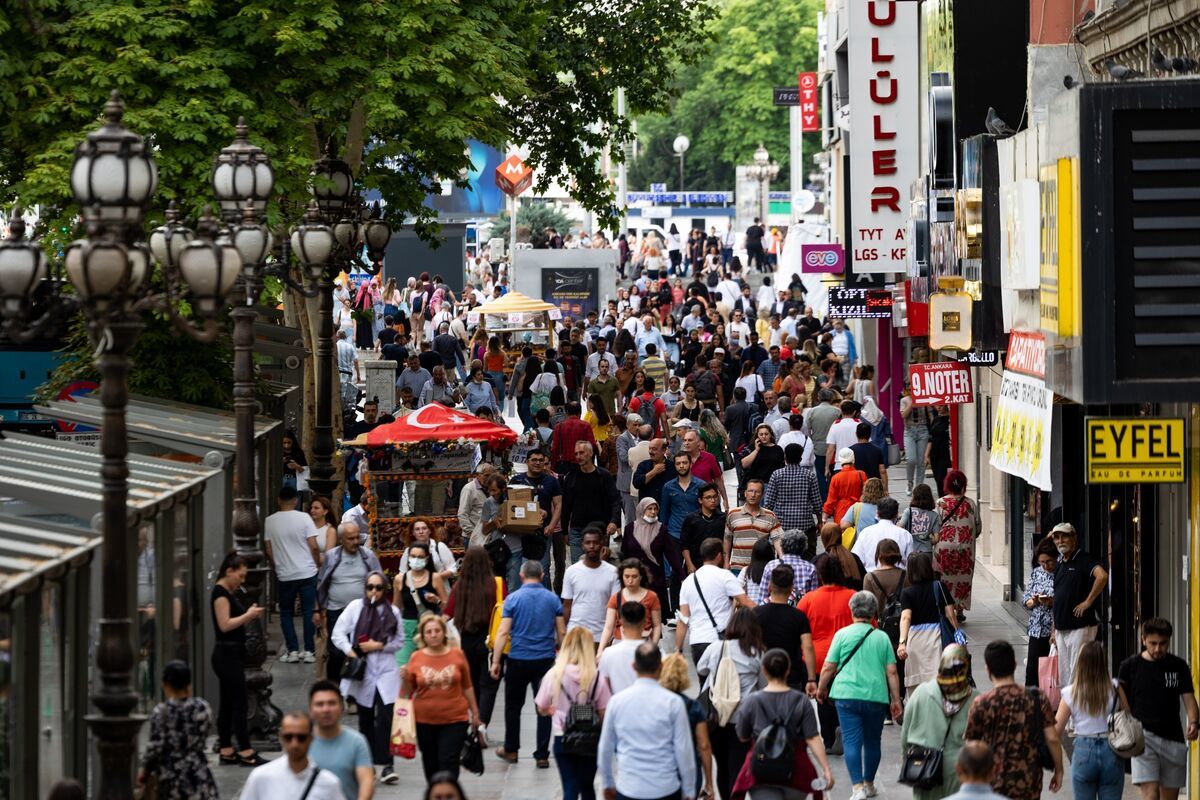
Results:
x,y
339,581
626,442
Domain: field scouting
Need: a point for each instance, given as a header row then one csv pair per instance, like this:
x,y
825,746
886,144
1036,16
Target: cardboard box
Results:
x,y
521,512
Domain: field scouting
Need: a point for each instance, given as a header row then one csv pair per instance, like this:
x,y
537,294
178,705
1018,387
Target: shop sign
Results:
x,y
822,257
1021,430
574,291
513,176
849,303
810,120
980,358
884,101
942,383
1059,248
1134,450
785,96
1019,234
1026,354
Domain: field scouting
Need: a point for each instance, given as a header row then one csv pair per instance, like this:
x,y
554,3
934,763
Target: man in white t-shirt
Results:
x,y
587,586
796,435
737,331
707,599
616,662
842,434
886,528
295,555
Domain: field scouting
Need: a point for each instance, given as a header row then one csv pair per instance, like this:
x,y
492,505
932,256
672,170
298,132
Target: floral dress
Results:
x,y
176,750
954,546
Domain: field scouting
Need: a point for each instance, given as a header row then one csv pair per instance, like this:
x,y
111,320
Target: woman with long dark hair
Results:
x,y
924,601
494,359
229,660
852,569
471,603
294,460
635,583
521,384
325,521
743,643
761,554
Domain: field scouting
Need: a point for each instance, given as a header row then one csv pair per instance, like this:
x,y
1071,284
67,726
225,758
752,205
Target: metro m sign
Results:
x,y
810,119
884,109
942,383
513,177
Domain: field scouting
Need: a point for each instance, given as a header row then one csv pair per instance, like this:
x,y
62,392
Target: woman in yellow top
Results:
x,y
762,326
598,417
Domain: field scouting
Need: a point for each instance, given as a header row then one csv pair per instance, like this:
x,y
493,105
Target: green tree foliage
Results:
x,y
167,364
396,85
534,217
724,101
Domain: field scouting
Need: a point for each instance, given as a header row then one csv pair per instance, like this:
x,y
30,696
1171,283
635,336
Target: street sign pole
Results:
x,y
797,159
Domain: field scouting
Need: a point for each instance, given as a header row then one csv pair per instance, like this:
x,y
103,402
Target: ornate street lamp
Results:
x,y
764,171
113,179
22,266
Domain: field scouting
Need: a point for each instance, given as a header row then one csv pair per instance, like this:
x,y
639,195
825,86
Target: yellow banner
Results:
x,y
1134,450
1059,248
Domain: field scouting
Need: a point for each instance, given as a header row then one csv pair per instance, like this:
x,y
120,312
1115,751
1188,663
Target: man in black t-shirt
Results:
x,y
787,628
868,457
1079,579
754,246
707,523
1154,682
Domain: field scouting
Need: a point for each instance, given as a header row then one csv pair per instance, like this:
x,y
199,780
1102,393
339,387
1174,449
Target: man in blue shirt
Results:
x,y
648,334
533,619
646,730
680,496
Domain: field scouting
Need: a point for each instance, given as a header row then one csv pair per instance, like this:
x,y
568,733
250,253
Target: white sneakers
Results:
x,y
862,791
869,789
296,657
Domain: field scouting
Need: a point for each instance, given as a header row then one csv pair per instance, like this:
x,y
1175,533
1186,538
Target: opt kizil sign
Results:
x,y
884,127
850,303
810,120
1134,450
942,383
1024,411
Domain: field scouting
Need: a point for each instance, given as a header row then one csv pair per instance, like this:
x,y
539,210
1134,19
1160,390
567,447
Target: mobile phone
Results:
x,y
364,639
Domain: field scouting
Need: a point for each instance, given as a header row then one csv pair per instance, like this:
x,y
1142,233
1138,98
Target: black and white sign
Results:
x,y
786,96
980,358
849,303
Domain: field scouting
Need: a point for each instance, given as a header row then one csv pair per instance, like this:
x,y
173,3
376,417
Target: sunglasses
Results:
x,y
374,587
294,737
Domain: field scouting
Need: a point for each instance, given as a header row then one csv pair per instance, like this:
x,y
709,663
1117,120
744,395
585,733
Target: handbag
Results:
x,y
353,668
893,454
1048,676
533,546
1038,734
923,766
1125,734
497,614
471,757
499,552
944,627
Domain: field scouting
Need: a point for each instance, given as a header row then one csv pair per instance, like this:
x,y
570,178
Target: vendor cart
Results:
x,y
520,321
433,443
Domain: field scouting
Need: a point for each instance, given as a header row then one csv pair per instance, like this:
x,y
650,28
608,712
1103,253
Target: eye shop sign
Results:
x,y
1134,450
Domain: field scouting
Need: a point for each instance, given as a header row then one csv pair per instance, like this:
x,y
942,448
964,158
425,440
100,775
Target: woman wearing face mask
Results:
x,y
441,557
416,590
936,716
647,540
371,628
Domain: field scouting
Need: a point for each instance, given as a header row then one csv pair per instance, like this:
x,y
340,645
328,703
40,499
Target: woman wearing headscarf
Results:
x,y
954,540
936,716
364,308
370,628
646,538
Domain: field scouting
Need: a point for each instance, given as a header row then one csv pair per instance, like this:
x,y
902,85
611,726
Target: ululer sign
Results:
x,y
884,130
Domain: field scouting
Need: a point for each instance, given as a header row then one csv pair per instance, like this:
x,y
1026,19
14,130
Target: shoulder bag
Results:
x,y
471,756
1037,732
1125,734
354,668
707,610
923,766
944,626
311,780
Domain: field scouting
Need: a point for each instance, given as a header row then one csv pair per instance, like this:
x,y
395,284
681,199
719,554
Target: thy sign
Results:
x,y
942,383
513,177
810,119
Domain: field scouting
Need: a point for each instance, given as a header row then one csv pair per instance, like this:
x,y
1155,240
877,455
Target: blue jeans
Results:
x,y
1096,774
307,589
497,380
578,774
575,543
524,412
862,728
916,438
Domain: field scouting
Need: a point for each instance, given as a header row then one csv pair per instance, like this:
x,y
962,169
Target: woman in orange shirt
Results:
x,y
845,487
828,611
439,681
493,366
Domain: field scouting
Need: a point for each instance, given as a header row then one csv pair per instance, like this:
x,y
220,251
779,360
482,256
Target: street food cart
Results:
x,y
433,443
520,322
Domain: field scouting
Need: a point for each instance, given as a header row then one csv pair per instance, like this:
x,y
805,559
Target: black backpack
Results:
x,y
889,617
581,729
774,754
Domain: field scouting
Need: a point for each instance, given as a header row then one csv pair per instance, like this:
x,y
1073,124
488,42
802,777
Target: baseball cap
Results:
x,y
1064,528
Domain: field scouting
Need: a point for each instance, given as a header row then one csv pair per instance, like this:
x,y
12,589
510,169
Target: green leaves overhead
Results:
x,y
395,85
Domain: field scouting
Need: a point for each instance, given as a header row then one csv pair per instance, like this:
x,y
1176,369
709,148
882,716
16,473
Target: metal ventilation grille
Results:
x,y
1156,181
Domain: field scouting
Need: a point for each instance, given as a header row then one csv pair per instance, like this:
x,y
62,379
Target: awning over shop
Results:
x,y
515,303
66,479
437,423
33,550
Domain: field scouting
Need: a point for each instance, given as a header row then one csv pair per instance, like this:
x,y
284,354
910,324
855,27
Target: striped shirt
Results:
x,y
743,529
656,368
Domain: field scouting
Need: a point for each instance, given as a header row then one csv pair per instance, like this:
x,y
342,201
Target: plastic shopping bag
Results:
x,y
404,729
1048,677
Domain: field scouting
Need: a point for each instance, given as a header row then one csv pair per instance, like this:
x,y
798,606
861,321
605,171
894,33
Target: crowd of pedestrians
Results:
x,y
711,472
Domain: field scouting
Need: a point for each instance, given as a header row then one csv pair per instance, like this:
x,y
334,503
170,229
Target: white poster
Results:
x,y
884,130
1021,431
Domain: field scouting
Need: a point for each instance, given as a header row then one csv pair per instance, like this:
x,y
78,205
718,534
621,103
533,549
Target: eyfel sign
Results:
x,y
884,125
